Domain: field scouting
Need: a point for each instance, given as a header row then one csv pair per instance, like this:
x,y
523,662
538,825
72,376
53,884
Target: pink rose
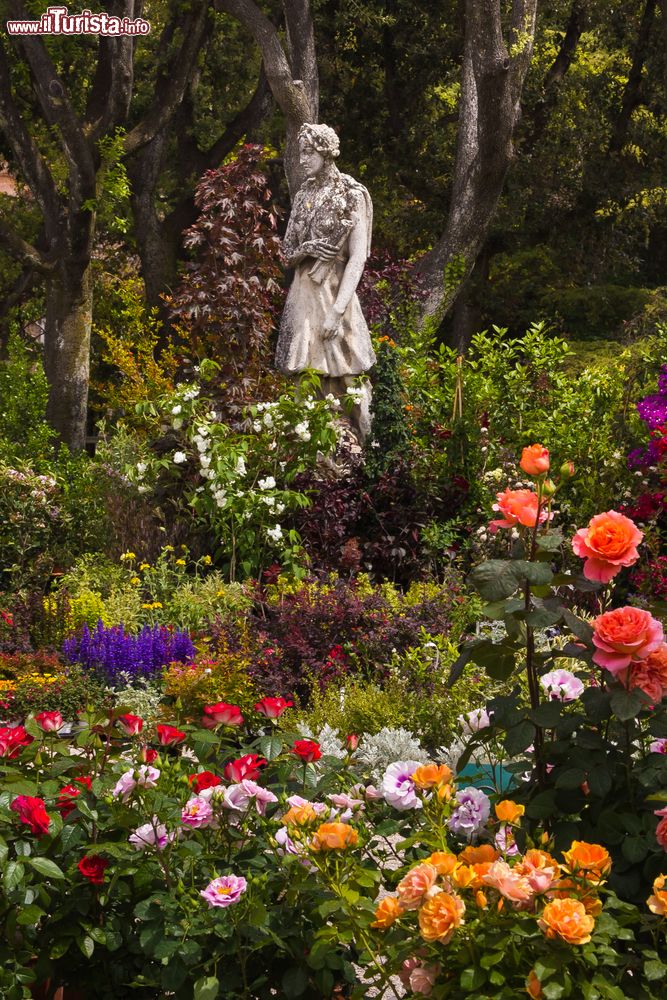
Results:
x,y
422,979
224,891
49,722
623,636
412,889
509,882
197,813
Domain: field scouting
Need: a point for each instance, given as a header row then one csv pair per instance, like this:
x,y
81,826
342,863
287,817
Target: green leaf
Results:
x,y
550,542
495,579
654,969
577,627
14,873
86,945
571,778
46,867
634,849
537,573
542,617
627,704
270,746
472,978
553,991
295,982
206,988
519,737
30,915
547,715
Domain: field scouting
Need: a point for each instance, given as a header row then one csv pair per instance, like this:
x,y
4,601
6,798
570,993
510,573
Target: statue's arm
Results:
x,y
358,246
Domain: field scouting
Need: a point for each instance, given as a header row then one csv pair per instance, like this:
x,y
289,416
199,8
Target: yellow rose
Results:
x,y
509,812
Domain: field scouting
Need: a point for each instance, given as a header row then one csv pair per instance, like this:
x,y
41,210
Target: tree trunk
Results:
x,y
69,316
492,81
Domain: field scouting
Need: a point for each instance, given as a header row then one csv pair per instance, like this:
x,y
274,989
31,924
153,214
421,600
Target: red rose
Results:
x,y
130,724
147,755
65,802
169,736
221,714
247,766
92,867
307,750
50,722
12,740
273,708
32,812
85,780
204,779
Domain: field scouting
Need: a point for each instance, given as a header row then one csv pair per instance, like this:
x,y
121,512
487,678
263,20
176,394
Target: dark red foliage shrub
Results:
x,y
388,291
324,631
230,293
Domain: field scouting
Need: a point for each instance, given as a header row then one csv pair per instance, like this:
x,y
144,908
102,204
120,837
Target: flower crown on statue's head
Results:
x,y
322,138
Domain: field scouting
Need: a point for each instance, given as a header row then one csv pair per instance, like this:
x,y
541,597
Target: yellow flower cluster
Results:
x,y
152,606
43,680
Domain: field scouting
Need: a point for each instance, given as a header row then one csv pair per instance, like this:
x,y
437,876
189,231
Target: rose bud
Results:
x,y
548,488
147,755
567,470
352,742
130,724
535,460
272,708
50,722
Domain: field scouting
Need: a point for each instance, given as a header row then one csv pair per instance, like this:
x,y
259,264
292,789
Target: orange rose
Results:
x,y
299,815
443,862
566,889
387,912
479,855
413,888
480,899
589,861
535,460
608,544
509,812
464,877
534,986
657,903
440,916
430,775
334,837
567,919
517,507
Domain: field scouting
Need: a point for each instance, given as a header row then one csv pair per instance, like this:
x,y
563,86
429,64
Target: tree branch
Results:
x,y
32,165
57,109
301,51
632,96
24,251
109,100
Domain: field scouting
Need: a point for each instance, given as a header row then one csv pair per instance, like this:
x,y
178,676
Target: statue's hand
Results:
x,y
331,328
319,249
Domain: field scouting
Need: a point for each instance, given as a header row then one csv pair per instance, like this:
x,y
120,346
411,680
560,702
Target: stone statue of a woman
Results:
x,y
327,242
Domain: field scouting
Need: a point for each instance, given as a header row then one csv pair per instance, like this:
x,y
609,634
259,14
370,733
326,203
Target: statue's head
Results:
x,y
318,144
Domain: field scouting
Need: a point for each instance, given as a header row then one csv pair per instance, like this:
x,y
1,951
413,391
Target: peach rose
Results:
x,y
440,916
430,775
443,862
535,460
608,544
534,986
566,919
517,507
657,903
623,636
479,855
387,912
334,837
509,812
540,870
589,861
413,888
650,675
300,815
509,882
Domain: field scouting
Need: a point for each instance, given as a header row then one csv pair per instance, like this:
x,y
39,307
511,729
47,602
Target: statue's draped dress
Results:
x,y
324,212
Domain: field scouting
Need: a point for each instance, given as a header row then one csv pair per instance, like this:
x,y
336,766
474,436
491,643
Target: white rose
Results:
x,y
180,457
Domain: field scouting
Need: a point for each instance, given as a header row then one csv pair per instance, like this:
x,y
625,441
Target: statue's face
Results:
x,y
311,161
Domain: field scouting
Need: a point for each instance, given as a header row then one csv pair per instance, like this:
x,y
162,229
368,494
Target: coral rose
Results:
x,y
413,887
517,507
589,861
657,903
440,916
608,544
334,837
567,919
387,912
509,812
623,636
430,775
535,460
